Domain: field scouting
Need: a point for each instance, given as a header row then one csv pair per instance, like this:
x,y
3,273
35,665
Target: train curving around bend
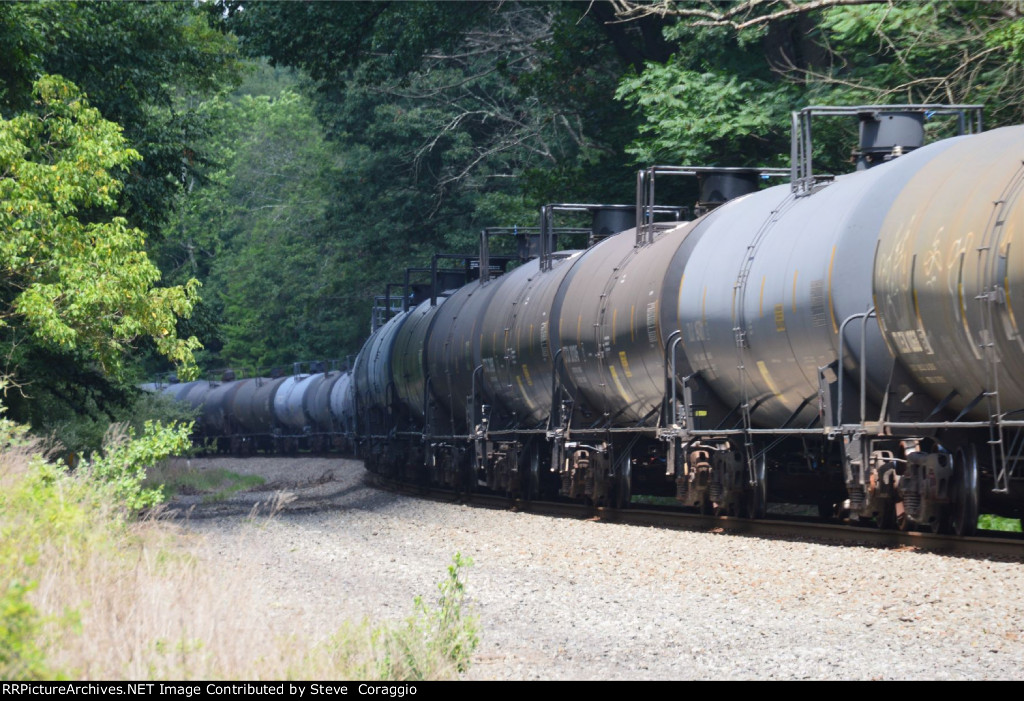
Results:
x,y
850,343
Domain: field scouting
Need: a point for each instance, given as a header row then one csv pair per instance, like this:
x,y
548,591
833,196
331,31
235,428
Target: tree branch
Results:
x,y
739,16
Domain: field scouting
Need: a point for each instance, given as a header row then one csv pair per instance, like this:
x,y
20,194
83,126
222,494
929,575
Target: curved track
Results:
x,y
992,544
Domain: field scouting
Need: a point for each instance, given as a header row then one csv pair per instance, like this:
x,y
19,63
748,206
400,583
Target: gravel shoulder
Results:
x,y
568,599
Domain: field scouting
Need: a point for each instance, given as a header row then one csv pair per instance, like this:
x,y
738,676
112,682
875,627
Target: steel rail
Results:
x,y
1004,546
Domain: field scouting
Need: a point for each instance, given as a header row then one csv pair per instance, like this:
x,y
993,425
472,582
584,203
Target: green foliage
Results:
x,y
440,119
257,232
716,101
47,511
40,504
12,434
75,279
453,631
724,97
703,117
86,593
924,52
436,642
51,518
391,38
988,522
76,434
121,466
21,657
142,71
145,72
1009,37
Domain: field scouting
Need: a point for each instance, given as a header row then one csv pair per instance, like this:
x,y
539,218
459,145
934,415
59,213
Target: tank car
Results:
x,y
848,343
845,342
279,414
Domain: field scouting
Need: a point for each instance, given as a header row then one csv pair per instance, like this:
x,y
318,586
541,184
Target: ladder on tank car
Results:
x,y
992,294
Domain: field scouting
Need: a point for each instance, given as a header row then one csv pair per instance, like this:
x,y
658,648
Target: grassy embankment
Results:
x,y
88,590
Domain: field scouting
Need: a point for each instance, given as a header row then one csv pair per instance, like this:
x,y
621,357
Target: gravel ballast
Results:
x,y
572,599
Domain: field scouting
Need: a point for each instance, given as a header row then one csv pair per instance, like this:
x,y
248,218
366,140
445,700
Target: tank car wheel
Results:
x,y
757,494
466,479
903,521
826,510
962,518
886,519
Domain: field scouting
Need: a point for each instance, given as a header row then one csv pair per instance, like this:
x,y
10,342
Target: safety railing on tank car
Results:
x,y
802,177
647,209
529,242
549,232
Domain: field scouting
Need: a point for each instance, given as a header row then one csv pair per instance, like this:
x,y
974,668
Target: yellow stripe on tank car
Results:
x,y
1009,306
780,318
893,352
768,379
523,394
624,363
632,323
526,374
794,290
615,317
760,299
679,296
618,383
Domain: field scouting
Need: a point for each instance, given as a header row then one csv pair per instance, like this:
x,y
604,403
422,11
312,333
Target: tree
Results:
x,y
72,277
741,67
142,64
447,117
256,231
735,15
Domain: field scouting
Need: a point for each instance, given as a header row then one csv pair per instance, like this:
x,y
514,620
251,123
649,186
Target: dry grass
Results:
x,y
112,598
151,610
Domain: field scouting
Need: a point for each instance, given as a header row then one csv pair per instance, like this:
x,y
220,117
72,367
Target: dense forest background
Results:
x,y
295,157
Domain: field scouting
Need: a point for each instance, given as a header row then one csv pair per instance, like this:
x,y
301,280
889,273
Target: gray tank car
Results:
x,y
849,343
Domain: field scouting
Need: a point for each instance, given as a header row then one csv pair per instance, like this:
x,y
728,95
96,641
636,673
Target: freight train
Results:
x,y
845,342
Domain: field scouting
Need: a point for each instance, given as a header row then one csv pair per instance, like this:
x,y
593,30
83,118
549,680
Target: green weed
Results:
x,y
988,522
121,466
21,656
435,642
215,484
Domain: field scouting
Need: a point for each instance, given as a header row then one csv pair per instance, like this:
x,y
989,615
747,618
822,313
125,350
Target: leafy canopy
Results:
x,y
71,276
739,68
144,65
441,118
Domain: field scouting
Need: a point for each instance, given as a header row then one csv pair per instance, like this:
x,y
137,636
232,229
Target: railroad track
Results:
x,y
1005,546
